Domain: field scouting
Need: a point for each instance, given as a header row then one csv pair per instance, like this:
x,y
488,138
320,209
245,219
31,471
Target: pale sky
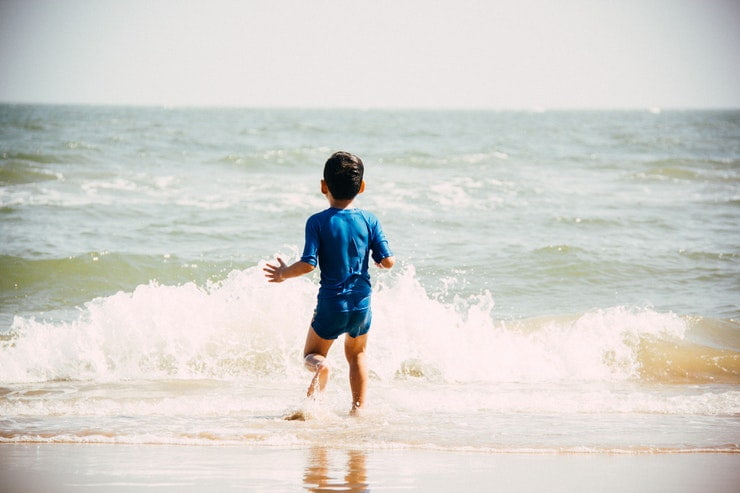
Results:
x,y
387,53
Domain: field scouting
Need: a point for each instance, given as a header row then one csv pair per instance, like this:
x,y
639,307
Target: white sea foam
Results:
x,y
246,327
221,364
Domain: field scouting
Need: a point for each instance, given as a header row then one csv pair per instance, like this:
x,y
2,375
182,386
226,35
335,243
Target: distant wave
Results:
x,y
16,172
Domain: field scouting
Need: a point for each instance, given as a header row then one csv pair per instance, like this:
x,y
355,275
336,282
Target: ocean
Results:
x,y
567,282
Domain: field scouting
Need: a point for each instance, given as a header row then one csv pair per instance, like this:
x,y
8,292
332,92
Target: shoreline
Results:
x,y
61,467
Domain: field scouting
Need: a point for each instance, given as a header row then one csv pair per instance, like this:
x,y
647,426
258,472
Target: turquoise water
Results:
x,y
554,212
550,264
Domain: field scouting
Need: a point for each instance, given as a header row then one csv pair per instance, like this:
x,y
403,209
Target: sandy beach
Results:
x,y
120,468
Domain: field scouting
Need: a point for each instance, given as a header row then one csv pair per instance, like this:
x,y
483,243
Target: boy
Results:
x,y
339,240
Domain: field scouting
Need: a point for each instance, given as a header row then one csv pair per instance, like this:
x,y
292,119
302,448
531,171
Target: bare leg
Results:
x,y
314,357
354,350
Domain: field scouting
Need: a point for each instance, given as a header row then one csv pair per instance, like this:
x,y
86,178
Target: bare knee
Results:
x,y
356,359
315,362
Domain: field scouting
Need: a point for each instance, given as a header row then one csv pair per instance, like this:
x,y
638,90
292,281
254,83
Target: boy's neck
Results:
x,y
340,204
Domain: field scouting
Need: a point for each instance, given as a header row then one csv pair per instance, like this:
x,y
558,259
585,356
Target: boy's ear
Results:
x,y
362,187
324,187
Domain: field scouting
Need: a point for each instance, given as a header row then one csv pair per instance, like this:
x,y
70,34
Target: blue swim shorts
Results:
x,y
336,316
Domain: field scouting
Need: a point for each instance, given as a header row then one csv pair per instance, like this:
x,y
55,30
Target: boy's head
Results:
x,y
343,174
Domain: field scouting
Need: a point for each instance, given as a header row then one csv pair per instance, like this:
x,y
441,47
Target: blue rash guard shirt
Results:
x,y
340,242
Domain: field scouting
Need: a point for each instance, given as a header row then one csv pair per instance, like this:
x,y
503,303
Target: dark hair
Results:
x,y
343,175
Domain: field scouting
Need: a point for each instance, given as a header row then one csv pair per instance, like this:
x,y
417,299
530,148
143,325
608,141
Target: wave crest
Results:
x,y
243,327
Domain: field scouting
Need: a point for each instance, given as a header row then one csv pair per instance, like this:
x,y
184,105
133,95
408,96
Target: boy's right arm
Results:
x,y
387,262
281,272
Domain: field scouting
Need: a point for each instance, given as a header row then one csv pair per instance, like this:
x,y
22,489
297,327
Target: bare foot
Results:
x,y
356,410
295,416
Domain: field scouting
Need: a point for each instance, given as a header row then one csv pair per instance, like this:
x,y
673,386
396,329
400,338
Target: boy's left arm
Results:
x,y
281,272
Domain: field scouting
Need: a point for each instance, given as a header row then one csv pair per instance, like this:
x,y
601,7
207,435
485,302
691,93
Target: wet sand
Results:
x,y
176,468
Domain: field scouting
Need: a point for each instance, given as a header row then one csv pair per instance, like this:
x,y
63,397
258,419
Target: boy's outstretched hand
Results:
x,y
281,272
274,273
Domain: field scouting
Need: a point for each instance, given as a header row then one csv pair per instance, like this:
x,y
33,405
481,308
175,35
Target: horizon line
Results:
x,y
530,109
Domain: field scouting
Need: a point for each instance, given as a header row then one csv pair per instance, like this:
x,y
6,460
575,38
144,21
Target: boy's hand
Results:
x,y
274,273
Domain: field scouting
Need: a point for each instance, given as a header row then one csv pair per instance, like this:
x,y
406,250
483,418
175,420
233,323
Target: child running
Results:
x,y
339,240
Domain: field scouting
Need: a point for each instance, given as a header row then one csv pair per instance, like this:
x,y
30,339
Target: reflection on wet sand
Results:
x,y
319,476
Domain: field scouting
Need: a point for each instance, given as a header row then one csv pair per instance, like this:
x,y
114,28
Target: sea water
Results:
x,y
567,281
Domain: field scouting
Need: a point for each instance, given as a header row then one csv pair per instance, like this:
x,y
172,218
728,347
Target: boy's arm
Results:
x,y
281,272
387,262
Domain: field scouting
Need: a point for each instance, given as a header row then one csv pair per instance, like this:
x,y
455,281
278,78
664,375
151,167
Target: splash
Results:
x,y
237,327
463,342
245,328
